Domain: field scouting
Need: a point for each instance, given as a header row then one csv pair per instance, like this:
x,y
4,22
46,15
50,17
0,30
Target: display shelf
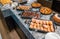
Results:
x,y
25,28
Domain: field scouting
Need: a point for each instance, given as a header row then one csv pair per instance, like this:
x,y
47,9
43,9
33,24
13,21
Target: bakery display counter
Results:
x,y
23,24
25,28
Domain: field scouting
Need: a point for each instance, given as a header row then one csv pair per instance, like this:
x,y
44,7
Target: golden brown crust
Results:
x,y
24,7
45,10
3,2
56,18
42,25
36,5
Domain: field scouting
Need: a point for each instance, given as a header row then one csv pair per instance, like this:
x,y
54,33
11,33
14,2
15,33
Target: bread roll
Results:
x,y
52,29
42,28
31,26
33,20
45,29
37,21
49,30
46,26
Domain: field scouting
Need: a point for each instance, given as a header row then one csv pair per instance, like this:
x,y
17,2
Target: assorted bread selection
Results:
x,y
45,10
35,23
42,25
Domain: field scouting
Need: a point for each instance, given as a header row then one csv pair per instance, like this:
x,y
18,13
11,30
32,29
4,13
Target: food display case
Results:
x,y
37,21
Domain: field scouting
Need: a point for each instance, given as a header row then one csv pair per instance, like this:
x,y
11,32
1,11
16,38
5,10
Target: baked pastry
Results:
x,y
56,18
45,10
43,25
23,7
29,14
36,5
3,2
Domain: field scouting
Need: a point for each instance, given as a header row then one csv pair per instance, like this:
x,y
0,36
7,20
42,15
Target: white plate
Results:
x,y
52,35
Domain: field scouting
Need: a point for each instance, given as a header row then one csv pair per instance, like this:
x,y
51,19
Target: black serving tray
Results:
x,y
29,17
46,14
40,30
22,10
19,9
35,7
23,3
